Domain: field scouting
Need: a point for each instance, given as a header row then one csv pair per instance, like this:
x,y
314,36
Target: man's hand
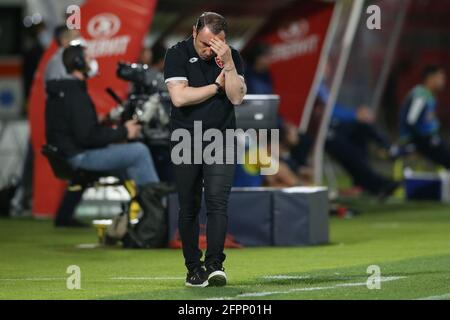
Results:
x,y
133,128
234,85
365,115
222,51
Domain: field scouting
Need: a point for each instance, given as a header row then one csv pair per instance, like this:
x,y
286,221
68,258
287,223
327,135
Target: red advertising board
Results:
x,y
114,31
296,35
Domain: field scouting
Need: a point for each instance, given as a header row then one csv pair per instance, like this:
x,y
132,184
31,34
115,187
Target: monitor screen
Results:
x,y
257,112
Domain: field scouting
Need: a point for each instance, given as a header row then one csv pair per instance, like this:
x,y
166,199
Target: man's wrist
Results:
x,y
213,89
229,69
219,88
229,66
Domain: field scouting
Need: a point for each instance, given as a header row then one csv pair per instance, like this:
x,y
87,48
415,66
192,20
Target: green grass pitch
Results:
x,y
409,242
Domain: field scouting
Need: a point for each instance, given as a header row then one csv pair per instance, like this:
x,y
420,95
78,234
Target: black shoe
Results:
x,y
216,275
197,278
72,223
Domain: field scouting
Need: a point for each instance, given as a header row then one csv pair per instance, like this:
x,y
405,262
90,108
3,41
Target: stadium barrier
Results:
x,y
295,216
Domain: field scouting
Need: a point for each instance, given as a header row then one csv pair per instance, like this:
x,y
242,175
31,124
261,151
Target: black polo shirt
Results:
x,y
183,63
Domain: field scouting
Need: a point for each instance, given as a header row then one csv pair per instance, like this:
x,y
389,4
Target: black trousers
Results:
x,y
216,180
433,148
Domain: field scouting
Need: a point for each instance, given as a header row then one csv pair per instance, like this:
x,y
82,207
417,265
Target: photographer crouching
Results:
x,y
72,126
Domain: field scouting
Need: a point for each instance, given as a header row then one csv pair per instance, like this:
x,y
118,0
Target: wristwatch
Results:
x,y
220,90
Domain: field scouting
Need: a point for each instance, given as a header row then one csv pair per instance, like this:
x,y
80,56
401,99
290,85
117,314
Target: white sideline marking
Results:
x,y
147,278
33,279
115,278
339,285
442,297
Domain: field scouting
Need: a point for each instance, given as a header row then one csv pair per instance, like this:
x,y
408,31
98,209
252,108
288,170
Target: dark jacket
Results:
x,y
71,122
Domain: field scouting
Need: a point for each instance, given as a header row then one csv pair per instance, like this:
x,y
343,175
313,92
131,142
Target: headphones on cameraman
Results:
x,y
76,59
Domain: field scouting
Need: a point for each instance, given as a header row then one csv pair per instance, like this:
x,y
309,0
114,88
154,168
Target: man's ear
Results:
x,y
194,32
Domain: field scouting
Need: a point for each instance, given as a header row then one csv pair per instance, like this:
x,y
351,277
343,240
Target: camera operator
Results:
x,y
72,126
56,71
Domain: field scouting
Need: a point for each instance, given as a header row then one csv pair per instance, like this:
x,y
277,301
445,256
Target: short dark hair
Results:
x,y
214,21
60,32
430,70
